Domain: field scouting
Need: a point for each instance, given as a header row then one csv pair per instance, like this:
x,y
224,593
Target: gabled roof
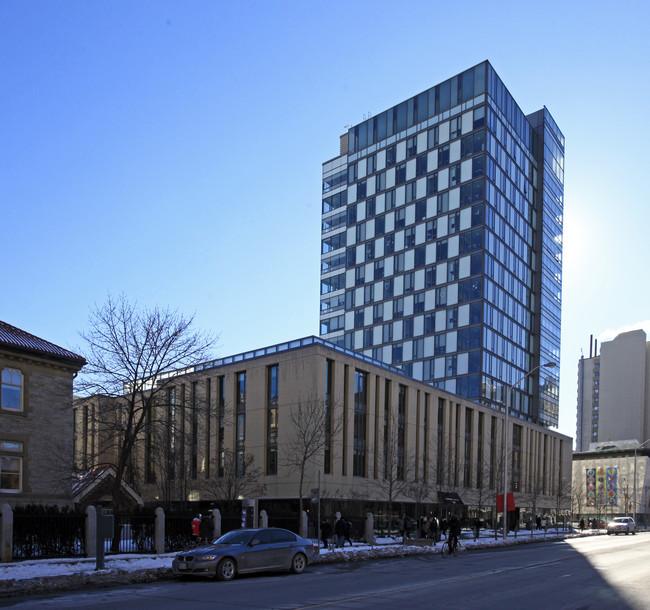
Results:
x,y
16,339
96,479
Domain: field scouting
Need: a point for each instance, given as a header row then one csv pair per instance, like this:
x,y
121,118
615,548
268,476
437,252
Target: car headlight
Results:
x,y
207,558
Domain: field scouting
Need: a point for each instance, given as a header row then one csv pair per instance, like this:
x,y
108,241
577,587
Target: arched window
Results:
x,y
11,391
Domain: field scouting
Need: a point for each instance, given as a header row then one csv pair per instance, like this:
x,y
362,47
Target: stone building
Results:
x,y
383,430
35,418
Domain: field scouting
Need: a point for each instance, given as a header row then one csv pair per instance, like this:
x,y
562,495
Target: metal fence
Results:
x,y
46,536
136,534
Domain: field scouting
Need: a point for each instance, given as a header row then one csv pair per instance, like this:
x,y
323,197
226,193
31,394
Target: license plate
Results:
x,y
182,566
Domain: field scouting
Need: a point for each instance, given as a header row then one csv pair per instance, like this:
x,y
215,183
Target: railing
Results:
x,y
46,536
136,534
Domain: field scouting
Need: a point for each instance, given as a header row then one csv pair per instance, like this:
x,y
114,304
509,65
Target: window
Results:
x,y
370,207
432,184
409,282
443,155
272,395
420,210
440,344
411,147
431,230
352,173
391,155
453,223
407,329
400,218
11,466
380,182
368,294
410,192
371,164
358,318
367,337
432,137
398,263
441,250
421,165
388,288
454,175
418,302
409,237
351,257
430,276
454,127
390,200
398,308
387,332
389,244
360,230
400,173
11,390
443,203
379,269
378,313
362,189
359,275
441,296
397,353
370,250
380,225
352,214
420,256
452,271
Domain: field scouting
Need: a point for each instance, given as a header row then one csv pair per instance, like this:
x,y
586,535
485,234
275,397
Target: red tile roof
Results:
x,y
15,339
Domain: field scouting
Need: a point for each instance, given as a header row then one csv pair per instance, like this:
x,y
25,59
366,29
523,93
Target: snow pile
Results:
x,y
39,576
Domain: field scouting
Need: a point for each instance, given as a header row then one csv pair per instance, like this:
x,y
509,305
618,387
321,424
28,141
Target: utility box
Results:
x,y
249,517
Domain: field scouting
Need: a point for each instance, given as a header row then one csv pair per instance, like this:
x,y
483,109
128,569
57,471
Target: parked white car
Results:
x,y
621,525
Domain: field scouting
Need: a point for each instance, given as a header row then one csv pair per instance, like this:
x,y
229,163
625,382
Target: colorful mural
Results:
x,y
601,486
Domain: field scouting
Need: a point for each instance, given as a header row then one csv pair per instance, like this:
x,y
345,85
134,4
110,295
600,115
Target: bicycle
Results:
x,y
450,547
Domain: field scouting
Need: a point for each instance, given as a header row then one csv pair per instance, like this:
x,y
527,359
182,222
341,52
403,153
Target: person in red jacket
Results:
x,y
196,528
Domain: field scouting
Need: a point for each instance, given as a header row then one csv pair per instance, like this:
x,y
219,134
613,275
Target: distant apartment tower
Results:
x,y
442,243
614,392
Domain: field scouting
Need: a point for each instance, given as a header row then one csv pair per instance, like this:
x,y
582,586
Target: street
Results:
x,y
597,572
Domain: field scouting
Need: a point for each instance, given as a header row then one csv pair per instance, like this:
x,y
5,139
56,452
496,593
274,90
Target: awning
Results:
x,y
449,497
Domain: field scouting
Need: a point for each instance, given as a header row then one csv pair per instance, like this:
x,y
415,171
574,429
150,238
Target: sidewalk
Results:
x,y
47,575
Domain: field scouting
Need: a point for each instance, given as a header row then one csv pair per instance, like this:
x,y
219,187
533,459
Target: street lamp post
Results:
x,y
634,493
548,365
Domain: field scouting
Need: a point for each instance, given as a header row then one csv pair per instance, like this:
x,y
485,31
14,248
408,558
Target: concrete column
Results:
x,y
369,533
90,531
6,533
264,519
159,531
216,522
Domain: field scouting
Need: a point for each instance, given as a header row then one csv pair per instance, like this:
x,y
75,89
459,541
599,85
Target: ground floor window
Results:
x,y
11,466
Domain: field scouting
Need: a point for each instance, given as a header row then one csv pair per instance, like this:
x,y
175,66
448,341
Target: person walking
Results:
x,y
206,530
582,524
339,531
325,532
433,529
196,531
348,531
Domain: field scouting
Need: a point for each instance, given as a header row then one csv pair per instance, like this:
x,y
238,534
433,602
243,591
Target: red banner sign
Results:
x,y
510,502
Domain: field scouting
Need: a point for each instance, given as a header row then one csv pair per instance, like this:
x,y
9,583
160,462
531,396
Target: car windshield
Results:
x,y
621,519
235,537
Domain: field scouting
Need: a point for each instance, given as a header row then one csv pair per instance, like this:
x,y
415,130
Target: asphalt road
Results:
x,y
598,572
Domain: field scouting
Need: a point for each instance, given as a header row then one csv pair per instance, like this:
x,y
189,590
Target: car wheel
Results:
x,y
298,563
227,569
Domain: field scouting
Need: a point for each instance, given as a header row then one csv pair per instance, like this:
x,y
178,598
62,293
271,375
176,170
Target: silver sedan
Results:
x,y
247,550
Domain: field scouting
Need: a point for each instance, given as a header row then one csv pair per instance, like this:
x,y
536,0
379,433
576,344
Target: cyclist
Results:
x,y
454,531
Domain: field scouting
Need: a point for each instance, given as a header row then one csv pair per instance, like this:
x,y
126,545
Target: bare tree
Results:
x,y
132,354
241,479
562,496
535,493
392,480
313,427
578,498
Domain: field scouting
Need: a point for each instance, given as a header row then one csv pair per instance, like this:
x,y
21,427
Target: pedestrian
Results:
x,y
339,531
582,524
404,527
206,530
477,528
433,529
196,528
538,522
543,523
348,531
325,532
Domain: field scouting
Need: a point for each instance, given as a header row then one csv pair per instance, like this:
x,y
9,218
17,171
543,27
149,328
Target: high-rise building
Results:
x,y
613,395
442,243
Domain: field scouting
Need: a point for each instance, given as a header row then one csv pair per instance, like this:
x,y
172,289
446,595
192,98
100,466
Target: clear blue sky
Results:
x,y
172,150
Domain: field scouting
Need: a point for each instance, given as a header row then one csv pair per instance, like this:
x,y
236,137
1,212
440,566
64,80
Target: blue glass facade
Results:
x,y
442,242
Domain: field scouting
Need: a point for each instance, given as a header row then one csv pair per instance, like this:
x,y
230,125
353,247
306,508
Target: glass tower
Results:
x,y
442,243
